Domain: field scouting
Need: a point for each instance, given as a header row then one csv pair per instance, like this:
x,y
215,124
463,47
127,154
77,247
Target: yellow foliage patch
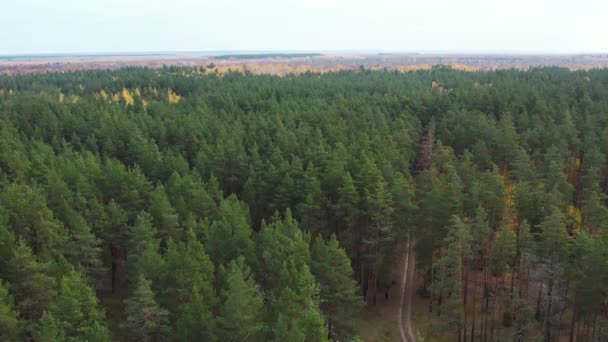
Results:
x,y
103,94
575,214
115,98
173,97
61,97
74,99
126,95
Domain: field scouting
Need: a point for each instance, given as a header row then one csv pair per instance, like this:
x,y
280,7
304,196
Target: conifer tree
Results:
x,y
143,255
449,281
553,244
186,265
49,329
195,322
83,248
340,302
230,235
10,325
347,210
31,282
31,220
243,311
294,310
274,243
145,319
164,217
76,310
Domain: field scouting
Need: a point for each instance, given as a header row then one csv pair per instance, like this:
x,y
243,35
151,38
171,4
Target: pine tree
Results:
x,y
243,309
164,217
340,302
504,251
404,207
524,318
143,255
145,319
347,211
115,236
83,248
49,329
31,220
449,282
311,208
274,243
284,273
294,311
230,235
525,246
7,244
10,325
379,235
31,282
195,322
186,265
552,246
76,310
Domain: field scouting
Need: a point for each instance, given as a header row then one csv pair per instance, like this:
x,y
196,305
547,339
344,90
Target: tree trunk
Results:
x,y
573,322
549,308
512,284
440,297
593,327
464,301
113,261
474,307
561,313
538,300
432,280
375,282
495,309
527,279
487,302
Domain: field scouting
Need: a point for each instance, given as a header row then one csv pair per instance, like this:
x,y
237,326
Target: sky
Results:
x,y
458,26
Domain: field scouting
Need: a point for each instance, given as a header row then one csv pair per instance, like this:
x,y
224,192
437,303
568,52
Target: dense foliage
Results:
x,y
178,204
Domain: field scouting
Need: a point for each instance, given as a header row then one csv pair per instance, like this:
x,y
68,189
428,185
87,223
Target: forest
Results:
x,y
181,204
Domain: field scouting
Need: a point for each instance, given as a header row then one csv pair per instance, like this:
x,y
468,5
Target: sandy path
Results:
x,y
407,282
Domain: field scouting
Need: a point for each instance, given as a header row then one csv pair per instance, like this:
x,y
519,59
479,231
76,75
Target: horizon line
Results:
x,y
286,51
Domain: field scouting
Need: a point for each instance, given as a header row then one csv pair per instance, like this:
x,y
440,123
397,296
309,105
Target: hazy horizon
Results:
x,y
321,52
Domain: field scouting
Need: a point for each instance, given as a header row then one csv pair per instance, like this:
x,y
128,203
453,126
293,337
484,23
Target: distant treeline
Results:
x,y
267,55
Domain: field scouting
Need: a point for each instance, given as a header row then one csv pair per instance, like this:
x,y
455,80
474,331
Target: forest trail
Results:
x,y
407,283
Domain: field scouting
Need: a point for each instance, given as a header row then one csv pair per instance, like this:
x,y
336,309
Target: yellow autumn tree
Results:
x,y
173,97
126,95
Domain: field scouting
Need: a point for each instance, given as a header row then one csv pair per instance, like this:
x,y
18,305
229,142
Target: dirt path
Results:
x,y
407,284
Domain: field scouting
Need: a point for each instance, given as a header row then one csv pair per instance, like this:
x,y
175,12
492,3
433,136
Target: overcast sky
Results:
x,y
512,26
